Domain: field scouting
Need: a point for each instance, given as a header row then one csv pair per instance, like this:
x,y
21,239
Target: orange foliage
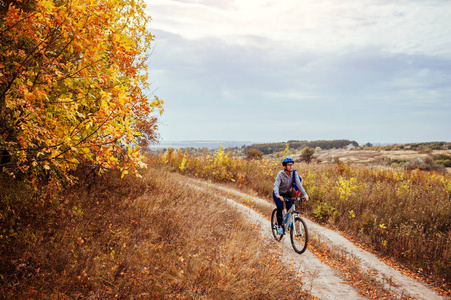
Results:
x,y
72,83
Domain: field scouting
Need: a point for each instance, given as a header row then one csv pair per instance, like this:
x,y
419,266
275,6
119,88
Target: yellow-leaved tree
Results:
x,y
73,83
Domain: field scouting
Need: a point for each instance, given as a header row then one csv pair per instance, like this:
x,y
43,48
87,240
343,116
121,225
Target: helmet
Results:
x,y
287,160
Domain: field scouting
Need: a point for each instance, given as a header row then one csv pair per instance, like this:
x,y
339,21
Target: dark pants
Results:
x,y
279,205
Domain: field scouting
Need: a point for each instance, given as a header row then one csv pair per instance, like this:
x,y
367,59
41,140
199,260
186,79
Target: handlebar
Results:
x,y
302,199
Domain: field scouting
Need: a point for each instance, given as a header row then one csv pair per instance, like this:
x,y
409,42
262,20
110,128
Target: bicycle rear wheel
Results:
x,y
275,225
299,235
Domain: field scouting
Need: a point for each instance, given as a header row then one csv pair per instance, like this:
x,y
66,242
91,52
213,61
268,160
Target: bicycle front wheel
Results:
x,y
299,235
275,226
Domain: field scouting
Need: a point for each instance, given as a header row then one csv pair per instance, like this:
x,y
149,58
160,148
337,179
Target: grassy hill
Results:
x,y
133,238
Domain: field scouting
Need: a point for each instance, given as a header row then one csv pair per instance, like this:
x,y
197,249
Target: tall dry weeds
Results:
x,y
132,238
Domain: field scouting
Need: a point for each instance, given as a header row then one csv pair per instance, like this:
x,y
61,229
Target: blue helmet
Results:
x,y
287,160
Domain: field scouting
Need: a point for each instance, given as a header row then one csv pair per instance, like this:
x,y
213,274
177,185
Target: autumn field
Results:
x,y
132,238
402,215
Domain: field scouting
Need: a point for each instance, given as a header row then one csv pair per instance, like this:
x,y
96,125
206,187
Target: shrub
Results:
x,y
426,164
307,154
323,212
254,154
443,159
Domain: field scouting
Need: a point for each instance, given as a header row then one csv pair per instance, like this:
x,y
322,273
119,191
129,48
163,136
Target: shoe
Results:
x,y
280,230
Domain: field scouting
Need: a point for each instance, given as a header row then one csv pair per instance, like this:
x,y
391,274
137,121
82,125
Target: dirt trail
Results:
x,y
323,281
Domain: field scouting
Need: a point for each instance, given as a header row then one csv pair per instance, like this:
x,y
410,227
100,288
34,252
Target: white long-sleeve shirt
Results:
x,y
284,183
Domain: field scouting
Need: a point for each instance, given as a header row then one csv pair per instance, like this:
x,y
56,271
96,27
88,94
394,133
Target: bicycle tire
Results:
x,y
300,241
275,225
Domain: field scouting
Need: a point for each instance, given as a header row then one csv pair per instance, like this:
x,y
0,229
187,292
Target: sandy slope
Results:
x,y
323,281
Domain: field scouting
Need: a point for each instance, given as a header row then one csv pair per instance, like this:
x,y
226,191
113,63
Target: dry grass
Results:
x,y
403,215
131,239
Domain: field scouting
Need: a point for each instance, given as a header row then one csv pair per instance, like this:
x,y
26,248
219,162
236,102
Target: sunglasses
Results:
x,y
290,165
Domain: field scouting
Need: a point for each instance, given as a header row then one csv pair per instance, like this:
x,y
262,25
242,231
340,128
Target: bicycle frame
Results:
x,y
290,213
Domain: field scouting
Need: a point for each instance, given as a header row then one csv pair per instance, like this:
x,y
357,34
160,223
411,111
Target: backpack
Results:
x,y
295,193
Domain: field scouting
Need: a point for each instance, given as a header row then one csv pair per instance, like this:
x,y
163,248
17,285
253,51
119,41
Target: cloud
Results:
x,y
223,4
377,72
400,27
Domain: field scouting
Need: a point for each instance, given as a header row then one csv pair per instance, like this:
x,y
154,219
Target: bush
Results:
x,y
307,154
323,212
426,164
443,159
254,154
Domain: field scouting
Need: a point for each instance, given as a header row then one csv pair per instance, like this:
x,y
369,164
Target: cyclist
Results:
x,y
282,188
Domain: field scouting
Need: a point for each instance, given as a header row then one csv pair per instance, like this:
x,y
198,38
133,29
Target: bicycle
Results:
x,y
293,223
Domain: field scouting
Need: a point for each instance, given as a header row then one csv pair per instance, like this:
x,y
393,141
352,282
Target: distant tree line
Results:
x,y
256,151
428,146
425,147
268,148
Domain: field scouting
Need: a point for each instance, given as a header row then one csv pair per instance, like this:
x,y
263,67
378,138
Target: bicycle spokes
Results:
x,y
299,235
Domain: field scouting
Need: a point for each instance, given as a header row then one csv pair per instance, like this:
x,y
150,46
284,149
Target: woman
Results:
x,y
282,189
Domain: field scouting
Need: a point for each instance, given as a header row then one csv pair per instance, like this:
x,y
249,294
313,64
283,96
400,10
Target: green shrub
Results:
x,y
443,159
324,211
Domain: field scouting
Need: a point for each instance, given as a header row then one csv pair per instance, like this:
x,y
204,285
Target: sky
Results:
x,y
374,71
